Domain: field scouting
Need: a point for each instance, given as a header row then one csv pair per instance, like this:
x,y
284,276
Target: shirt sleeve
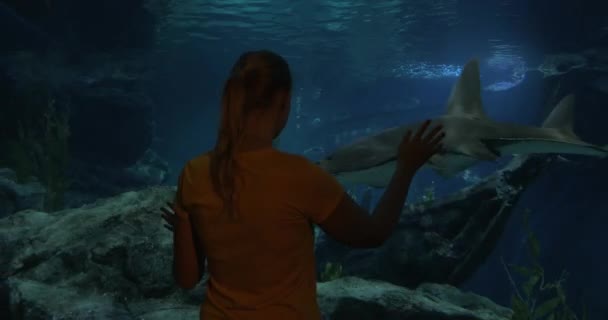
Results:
x,y
319,193
181,184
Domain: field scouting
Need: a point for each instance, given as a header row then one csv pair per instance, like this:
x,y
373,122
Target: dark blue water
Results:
x,y
359,67
427,43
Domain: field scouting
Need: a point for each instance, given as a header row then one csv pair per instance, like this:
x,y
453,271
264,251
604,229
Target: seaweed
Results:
x,y
534,297
34,140
331,272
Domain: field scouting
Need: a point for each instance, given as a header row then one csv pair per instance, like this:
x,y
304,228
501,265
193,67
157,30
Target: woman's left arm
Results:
x,y
188,258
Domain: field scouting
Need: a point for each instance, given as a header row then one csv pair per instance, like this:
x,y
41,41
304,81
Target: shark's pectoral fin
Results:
x,y
479,150
444,171
450,164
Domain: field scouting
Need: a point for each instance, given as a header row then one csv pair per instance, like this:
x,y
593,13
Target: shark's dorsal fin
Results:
x,y
465,99
562,117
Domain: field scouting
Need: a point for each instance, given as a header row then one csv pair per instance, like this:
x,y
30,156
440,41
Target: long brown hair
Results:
x,y
254,81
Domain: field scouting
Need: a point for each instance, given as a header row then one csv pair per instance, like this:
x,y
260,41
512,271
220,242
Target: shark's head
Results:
x,y
337,163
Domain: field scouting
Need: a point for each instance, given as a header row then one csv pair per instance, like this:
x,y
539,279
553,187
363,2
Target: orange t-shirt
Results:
x,y
262,265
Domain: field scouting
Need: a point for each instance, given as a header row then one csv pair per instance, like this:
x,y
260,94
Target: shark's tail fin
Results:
x,y
561,119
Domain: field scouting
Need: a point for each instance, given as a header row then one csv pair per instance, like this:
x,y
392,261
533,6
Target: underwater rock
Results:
x,y
590,60
342,299
109,120
15,196
110,126
110,113
90,181
447,240
355,298
559,64
151,169
113,259
117,247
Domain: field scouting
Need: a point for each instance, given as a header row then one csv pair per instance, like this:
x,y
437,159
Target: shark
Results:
x,y
470,137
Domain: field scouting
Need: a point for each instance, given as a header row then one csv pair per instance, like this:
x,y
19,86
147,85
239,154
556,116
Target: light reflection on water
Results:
x,y
371,39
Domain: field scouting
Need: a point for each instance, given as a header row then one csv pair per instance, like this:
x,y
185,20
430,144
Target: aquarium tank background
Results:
x,y
103,102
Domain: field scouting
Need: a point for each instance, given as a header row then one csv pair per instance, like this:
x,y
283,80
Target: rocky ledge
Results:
x,y
111,259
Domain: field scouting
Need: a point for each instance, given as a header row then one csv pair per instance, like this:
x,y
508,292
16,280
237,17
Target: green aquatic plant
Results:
x,y
331,272
34,140
428,194
536,298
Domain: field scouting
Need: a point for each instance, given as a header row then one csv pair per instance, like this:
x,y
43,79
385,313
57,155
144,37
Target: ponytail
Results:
x,y
254,80
223,165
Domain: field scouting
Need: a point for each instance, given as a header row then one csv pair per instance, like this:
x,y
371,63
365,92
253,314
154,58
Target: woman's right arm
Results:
x,y
353,226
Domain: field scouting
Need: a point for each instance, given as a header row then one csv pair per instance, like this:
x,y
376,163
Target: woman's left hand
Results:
x,y
171,215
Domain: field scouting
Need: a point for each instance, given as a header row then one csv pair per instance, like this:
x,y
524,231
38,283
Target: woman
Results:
x,y
247,208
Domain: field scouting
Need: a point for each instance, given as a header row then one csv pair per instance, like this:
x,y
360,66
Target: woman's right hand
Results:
x,y
416,149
